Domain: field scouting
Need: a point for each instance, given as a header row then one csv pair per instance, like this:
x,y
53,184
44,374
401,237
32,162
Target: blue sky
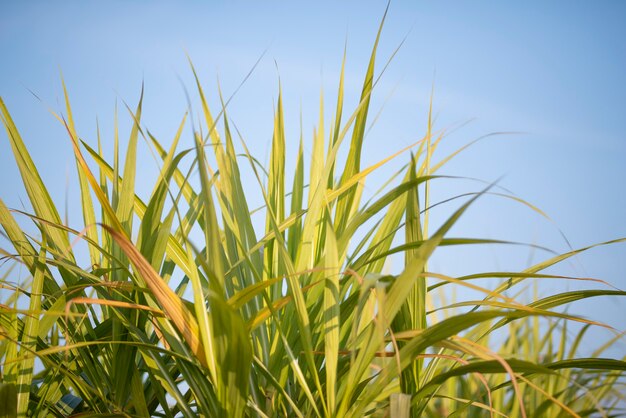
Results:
x,y
555,73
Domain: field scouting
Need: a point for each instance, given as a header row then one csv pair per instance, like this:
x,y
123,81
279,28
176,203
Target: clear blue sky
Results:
x,y
556,72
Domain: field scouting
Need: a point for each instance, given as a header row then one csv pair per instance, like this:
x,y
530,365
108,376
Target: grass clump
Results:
x,y
294,318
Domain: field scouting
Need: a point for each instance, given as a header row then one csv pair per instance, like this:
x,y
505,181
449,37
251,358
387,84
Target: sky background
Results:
x,y
553,73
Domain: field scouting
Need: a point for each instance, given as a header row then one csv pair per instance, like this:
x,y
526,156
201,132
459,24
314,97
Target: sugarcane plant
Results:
x,y
184,305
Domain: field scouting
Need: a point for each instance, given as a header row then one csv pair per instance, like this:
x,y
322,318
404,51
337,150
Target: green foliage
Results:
x,y
291,319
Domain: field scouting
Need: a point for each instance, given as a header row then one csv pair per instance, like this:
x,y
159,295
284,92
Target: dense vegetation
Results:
x,y
184,306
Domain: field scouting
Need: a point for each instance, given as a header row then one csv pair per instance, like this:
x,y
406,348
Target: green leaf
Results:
x,y
8,400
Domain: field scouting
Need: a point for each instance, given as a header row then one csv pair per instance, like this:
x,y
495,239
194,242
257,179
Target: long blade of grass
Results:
x,y
352,165
30,333
37,192
89,215
172,305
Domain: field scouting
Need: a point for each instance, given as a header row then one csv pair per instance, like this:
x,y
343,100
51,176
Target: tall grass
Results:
x,y
294,318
